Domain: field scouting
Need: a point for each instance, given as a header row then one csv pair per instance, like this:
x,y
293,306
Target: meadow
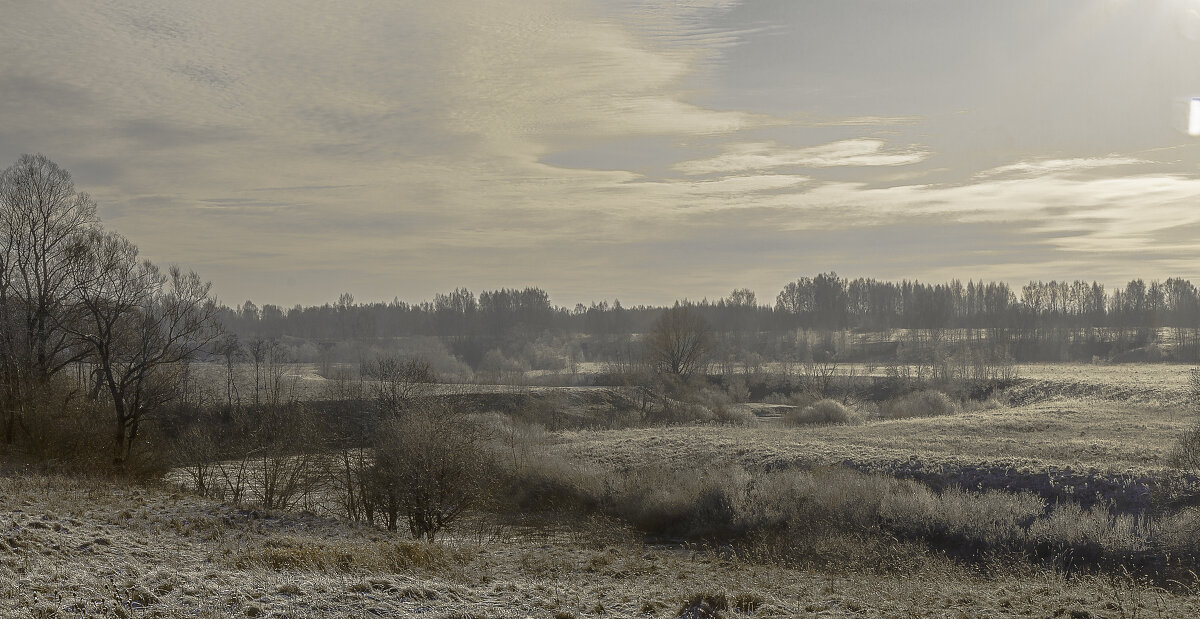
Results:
x,y
1051,496
91,548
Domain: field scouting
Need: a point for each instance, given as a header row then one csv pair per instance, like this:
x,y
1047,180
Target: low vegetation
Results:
x,y
924,403
822,411
137,551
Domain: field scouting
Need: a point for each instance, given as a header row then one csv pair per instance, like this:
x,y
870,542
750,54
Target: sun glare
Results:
x,y
1193,117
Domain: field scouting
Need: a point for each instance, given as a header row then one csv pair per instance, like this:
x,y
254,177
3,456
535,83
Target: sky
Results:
x,y
641,150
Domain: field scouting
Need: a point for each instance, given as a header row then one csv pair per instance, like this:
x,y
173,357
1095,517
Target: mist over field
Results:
x,y
622,308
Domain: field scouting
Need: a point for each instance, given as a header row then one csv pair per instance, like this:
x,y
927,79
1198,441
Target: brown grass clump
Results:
x,y
350,556
822,412
927,403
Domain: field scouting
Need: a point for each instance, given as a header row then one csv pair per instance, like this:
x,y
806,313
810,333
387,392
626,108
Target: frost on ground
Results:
x,y
74,547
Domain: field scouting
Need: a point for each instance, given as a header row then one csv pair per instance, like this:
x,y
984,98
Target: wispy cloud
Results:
x,y
864,121
1102,216
410,141
1053,166
769,155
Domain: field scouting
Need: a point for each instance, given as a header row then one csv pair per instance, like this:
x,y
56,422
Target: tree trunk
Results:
x,y
120,436
120,449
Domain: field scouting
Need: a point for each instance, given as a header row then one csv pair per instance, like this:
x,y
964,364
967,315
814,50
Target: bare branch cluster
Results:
x,y
680,342
73,294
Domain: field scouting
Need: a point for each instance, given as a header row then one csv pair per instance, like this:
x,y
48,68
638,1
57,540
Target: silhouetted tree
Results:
x,y
680,342
138,323
396,382
42,221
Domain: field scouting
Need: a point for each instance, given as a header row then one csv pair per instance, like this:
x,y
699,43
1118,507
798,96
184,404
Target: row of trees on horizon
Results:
x,y
823,302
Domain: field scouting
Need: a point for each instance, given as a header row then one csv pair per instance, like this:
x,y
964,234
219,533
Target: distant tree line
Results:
x,y
1042,320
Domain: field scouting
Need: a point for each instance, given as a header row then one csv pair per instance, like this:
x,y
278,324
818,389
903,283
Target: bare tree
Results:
x,y
42,219
260,349
138,323
231,350
680,342
396,382
286,453
819,375
428,468
350,440
270,370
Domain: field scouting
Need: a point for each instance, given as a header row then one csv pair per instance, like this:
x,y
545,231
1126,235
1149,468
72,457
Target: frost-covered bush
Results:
x,y
928,403
821,412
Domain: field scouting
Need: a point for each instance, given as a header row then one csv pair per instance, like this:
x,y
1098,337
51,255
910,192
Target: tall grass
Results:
x,y
822,412
799,516
925,403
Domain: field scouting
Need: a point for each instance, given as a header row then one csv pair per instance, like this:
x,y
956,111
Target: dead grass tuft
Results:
x,y
926,403
351,557
822,412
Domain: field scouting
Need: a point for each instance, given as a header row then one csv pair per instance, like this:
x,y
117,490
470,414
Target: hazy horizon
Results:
x,y
761,299
637,150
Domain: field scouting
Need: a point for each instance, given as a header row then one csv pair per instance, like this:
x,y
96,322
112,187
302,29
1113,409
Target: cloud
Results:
x,y
1101,216
527,75
768,155
402,147
860,121
1058,166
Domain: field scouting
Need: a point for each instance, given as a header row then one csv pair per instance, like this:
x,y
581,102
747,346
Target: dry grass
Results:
x,y
74,547
1163,379
927,403
1109,436
821,412
91,548
1095,452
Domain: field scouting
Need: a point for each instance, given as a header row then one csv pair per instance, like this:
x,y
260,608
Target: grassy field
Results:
x,y
1052,433
1106,436
89,548
1086,435
1164,378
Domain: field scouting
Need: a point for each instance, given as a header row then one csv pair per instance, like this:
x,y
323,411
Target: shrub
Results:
x,y
928,403
737,416
549,484
799,399
675,411
57,431
737,389
681,503
428,465
722,407
1185,455
821,412
838,516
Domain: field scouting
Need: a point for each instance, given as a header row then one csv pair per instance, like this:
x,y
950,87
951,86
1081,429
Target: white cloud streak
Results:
x,y
1050,166
758,156
866,121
